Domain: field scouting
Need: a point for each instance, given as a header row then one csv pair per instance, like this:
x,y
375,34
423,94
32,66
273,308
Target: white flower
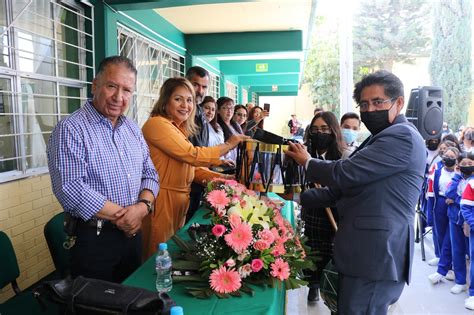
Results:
x,y
244,271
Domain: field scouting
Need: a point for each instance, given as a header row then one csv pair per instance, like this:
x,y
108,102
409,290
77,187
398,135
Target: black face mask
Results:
x,y
449,162
320,141
432,146
467,170
375,121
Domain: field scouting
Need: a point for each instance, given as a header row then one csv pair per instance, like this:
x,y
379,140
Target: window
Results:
x,y
214,85
254,98
245,96
46,59
154,64
232,91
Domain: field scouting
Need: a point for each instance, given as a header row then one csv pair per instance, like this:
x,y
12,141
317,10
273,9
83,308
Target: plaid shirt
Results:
x,y
91,162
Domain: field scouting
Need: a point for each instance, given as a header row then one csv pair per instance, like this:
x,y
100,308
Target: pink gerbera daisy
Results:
x,y
218,199
280,269
224,281
240,237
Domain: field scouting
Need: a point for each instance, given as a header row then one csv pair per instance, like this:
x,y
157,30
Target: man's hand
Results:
x,y
298,152
131,220
449,201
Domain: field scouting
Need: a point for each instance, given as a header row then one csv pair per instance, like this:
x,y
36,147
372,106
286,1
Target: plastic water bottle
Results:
x,y
176,310
163,264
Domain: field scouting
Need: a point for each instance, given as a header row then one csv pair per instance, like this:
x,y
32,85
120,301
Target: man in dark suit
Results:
x,y
375,191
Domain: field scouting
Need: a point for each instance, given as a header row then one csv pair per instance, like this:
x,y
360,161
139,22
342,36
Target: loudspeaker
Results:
x,y
425,111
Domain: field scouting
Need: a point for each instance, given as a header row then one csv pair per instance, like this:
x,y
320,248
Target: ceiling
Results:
x,y
241,35
264,15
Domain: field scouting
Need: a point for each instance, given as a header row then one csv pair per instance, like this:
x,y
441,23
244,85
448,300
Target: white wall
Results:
x,y
282,107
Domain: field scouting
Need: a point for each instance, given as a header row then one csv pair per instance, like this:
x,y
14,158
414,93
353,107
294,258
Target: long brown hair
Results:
x,y
336,148
167,89
221,101
213,122
236,108
252,113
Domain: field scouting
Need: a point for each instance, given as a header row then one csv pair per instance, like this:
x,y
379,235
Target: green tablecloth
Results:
x,y
266,300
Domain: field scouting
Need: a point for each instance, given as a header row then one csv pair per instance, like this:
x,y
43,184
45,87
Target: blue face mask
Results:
x,y
349,135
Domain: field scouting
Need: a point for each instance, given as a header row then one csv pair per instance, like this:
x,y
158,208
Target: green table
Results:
x,y
267,300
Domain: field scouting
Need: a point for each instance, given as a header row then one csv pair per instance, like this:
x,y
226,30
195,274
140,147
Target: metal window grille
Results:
x,y
46,62
254,98
214,85
154,64
232,91
245,96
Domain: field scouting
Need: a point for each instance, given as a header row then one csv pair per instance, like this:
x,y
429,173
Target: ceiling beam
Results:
x,y
260,67
269,80
295,93
220,44
124,5
268,89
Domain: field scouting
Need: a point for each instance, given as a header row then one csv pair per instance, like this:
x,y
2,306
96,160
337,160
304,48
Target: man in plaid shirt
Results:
x,y
102,174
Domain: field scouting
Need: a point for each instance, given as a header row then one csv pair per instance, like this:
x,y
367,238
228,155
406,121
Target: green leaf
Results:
x,y
181,243
246,289
186,265
236,293
189,278
222,295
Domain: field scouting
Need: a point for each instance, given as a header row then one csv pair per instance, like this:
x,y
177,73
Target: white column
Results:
x,y
345,56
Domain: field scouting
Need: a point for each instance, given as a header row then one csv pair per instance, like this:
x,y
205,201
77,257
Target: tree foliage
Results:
x,y
390,31
322,71
450,64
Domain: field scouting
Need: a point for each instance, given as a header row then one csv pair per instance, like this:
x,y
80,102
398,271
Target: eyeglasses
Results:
x,y
364,106
231,108
241,114
323,129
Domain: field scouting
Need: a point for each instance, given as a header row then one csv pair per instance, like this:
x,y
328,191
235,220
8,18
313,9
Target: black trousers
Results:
x,y
194,200
361,296
110,256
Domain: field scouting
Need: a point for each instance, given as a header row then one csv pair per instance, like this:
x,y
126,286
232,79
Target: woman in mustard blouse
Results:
x,y
177,161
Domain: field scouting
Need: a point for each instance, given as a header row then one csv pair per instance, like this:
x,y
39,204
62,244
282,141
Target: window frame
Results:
x,y
135,109
17,77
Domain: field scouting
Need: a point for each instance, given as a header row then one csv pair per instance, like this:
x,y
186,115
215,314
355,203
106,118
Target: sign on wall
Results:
x,y
261,67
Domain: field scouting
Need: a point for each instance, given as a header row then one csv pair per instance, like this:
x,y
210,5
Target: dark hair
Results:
x,y
240,106
465,155
452,149
318,109
451,138
349,115
221,101
336,148
252,113
213,122
166,90
116,60
393,86
196,70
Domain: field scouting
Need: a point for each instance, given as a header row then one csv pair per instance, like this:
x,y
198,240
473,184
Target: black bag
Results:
x,y
92,296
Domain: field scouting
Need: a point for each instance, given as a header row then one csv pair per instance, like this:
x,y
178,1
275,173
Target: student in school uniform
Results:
x,y
437,186
467,211
459,242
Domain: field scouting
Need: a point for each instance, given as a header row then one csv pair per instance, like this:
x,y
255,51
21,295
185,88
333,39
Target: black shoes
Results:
x,y
313,295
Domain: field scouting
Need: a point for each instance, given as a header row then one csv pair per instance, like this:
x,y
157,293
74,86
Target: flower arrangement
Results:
x,y
248,242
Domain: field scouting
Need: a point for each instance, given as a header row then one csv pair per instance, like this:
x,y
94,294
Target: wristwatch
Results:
x,y
148,205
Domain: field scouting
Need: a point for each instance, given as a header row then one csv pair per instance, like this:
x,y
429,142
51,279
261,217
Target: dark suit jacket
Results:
x,y
201,139
375,191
